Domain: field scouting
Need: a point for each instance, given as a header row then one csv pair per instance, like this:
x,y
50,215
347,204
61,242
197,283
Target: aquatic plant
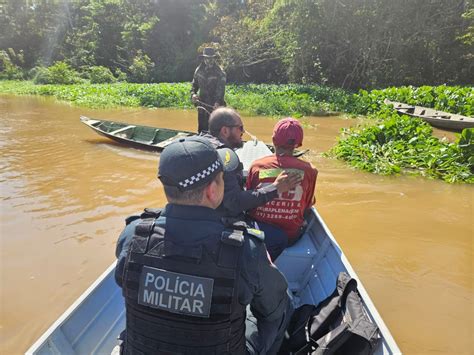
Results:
x,y
402,144
389,145
273,100
454,99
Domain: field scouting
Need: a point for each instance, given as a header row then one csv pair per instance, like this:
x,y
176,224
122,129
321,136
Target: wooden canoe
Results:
x,y
93,322
440,119
144,137
152,138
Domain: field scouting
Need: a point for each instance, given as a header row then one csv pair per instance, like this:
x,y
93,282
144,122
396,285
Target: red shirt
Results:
x,y
287,210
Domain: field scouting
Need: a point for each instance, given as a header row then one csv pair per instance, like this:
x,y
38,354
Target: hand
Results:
x,y
194,98
287,181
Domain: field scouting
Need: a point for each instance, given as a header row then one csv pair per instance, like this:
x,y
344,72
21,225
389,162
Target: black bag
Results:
x,y
337,325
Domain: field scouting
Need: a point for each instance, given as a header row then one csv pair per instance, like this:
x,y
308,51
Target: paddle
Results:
x,y
202,104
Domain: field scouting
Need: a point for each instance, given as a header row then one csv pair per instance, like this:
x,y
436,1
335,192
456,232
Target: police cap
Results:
x,y
189,163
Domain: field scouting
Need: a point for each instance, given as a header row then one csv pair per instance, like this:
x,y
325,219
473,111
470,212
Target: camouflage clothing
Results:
x,y
210,82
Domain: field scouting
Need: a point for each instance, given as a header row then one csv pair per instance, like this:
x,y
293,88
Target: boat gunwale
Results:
x,y
373,313
42,340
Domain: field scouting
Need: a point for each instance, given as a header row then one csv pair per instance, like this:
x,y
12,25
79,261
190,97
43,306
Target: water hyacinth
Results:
x,y
402,144
391,145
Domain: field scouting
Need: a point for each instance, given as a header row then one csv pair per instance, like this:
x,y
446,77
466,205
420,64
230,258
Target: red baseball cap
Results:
x,y
288,132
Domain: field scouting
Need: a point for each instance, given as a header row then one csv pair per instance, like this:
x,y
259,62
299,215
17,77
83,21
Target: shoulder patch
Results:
x,y
229,158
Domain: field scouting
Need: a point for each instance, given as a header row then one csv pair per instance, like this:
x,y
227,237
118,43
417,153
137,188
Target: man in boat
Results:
x,y
209,80
288,209
188,276
226,130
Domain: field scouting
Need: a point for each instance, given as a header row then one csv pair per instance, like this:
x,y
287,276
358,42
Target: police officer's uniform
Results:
x,y
236,199
187,277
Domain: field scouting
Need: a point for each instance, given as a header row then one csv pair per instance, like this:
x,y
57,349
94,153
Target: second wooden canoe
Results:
x,y
434,117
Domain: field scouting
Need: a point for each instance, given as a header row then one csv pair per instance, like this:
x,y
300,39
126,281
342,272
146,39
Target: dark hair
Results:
x,y
173,194
189,197
221,117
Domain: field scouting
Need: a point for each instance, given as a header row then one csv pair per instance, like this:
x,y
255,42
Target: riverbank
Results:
x,y
388,144
253,100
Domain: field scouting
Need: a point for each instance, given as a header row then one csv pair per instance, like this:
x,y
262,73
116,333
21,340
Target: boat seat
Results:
x,y
444,117
154,136
123,129
166,142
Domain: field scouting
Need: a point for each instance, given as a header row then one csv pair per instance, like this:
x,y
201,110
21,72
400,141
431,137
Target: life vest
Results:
x,y
183,299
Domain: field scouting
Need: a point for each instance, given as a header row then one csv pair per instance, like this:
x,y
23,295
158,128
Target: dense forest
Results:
x,y
349,44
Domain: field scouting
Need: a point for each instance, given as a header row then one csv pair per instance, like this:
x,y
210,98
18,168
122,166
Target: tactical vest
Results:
x,y
182,299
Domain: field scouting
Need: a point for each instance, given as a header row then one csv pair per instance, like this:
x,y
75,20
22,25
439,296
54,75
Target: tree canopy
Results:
x,y
344,43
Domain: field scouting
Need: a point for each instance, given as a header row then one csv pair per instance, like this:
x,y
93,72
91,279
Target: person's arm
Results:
x,y
121,251
237,200
271,304
195,87
252,178
220,89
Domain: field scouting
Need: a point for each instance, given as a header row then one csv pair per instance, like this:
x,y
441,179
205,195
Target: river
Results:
x,y
65,192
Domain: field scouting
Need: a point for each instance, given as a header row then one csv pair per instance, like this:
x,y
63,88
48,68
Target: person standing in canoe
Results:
x,y
208,87
193,283
287,210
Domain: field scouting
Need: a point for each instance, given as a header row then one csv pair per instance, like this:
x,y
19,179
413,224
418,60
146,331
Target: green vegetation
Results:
x,y
103,46
8,69
390,144
59,73
101,75
108,95
263,99
287,100
454,99
275,100
346,43
402,144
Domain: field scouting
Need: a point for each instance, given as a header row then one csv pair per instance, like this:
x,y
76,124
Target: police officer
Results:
x,y
209,80
188,276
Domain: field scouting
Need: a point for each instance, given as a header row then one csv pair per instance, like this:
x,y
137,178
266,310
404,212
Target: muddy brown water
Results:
x,y
65,192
